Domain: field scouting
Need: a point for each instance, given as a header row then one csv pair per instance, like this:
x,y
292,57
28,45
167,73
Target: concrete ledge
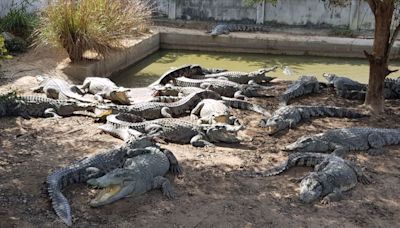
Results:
x,y
135,51
186,39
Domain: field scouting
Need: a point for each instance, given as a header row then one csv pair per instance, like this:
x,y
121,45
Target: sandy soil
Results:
x,y
208,195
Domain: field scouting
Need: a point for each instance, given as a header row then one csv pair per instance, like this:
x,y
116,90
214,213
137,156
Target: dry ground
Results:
x,y
208,195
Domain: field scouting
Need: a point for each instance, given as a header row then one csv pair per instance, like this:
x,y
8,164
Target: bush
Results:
x,y
18,20
97,25
3,50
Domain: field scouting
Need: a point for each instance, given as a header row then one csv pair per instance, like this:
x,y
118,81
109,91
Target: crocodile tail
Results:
x,y
58,200
340,112
118,132
295,159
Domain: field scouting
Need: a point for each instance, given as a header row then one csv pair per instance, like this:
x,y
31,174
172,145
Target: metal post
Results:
x,y
260,18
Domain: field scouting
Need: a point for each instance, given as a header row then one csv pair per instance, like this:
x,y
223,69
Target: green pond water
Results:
x,y
151,68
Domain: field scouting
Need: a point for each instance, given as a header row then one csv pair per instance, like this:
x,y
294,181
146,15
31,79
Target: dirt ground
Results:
x,y
208,195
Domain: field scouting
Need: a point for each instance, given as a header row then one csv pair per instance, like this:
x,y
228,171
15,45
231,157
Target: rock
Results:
x,y
14,43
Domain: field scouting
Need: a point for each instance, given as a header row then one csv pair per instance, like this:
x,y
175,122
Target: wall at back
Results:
x,y
356,14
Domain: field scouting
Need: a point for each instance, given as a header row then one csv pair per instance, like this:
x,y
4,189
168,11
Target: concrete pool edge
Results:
x,y
195,40
135,51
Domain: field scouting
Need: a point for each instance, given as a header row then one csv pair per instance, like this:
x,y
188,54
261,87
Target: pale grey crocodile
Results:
x,y
227,88
59,89
212,111
227,28
175,130
87,168
104,88
154,110
332,175
340,141
303,86
138,175
34,106
289,116
254,77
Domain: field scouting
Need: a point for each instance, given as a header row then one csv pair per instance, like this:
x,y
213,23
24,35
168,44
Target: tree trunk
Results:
x,y
378,60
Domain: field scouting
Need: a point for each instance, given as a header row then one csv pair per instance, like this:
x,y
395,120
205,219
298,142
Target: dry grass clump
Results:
x,y
95,25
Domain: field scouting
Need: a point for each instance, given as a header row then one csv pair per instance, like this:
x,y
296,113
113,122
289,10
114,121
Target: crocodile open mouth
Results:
x,y
221,119
105,195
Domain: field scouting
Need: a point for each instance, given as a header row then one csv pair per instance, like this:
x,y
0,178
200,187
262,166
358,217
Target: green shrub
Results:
x,y
18,20
3,50
96,25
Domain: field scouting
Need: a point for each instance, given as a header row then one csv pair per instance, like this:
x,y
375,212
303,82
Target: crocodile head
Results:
x,y
310,188
115,185
329,77
219,30
167,90
223,133
309,143
273,124
120,96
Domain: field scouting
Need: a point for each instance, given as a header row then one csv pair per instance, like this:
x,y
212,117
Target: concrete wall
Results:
x,y
356,15
6,5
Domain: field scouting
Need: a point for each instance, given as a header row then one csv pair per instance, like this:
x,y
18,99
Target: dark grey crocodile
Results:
x,y
226,88
340,141
178,131
154,110
353,90
34,106
59,89
254,77
290,116
303,86
175,91
138,175
104,88
83,170
227,28
171,75
332,175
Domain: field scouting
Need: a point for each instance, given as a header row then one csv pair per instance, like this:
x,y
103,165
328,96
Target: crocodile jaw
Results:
x,y
105,195
121,97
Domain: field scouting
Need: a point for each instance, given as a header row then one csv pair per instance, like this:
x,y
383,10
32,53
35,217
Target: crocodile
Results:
x,y
154,110
175,91
254,77
227,28
35,106
226,88
353,90
289,116
88,168
59,89
213,111
304,85
104,88
171,75
340,141
332,175
178,131
138,175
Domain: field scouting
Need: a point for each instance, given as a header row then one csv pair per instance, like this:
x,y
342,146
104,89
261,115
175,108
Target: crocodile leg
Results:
x,y
361,177
166,112
239,95
336,195
199,141
194,114
50,112
174,166
376,142
165,185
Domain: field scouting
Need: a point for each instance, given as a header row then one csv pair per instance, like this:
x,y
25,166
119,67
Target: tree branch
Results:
x,y
369,56
393,39
372,5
